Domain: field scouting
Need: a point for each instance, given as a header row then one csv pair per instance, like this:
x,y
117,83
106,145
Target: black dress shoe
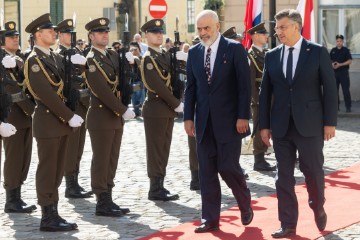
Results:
x,y
247,217
206,227
321,220
284,232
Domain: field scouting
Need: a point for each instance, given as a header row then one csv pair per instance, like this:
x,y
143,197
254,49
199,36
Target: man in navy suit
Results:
x,y
298,110
217,98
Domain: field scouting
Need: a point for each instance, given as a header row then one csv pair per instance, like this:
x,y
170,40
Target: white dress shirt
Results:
x,y
214,47
296,53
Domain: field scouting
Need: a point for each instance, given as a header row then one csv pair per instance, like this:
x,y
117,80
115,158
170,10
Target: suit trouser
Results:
x,y
311,161
158,134
215,157
193,160
18,149
106,150
75,151
258,145
50,170
342,78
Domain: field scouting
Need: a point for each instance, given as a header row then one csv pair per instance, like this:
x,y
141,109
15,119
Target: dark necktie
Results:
x,y
207,65
289,66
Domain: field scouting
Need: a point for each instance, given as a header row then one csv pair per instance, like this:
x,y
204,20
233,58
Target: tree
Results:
x,y
214,5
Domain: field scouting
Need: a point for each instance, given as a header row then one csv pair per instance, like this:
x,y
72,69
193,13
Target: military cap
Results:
x,y
98,25
260,28
196,40
115,43
340,36
65,26
42,22
230,33
154,25
10,29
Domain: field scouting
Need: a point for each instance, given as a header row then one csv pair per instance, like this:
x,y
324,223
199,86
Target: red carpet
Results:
x,y
342,206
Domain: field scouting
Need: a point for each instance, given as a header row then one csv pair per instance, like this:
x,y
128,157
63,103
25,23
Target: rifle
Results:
x,y
177,85
125,70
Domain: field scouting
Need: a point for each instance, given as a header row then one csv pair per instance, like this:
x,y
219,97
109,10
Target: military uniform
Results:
x,y
232,34
18,147
104,120
44,76
77,138
158,114
256,58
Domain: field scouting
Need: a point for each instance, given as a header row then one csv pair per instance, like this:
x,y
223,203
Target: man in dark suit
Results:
x,y
298,111
217,96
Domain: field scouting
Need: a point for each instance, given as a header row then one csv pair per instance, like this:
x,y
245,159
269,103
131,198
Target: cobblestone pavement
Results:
x,y
132,186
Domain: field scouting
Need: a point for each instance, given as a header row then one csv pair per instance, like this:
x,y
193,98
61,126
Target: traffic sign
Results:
x,y
158,8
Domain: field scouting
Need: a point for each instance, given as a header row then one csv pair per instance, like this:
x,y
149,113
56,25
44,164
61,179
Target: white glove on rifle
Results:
x,y
9,62
76,121
78,59
7,129
130,57
179,108
182,56
129,114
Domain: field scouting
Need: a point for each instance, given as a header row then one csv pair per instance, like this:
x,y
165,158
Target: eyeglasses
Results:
x,y
80,43
282,28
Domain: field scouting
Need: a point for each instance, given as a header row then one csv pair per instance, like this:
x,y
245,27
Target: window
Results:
x,y
11,12
191,15
56,11
110,14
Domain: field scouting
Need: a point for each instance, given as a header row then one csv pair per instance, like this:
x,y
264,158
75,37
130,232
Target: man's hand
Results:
x,y
189,128
78,59
182,56
130,57
179,108
242,125
266,136
7,129
335,65
9,62
329,132
76,121
129,114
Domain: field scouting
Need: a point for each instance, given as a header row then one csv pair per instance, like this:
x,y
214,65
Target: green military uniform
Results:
x,y
44,76
104,120
17,147
77,138
158,113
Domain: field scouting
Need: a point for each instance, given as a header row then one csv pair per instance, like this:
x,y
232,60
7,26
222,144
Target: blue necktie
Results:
x,y
207,65
289,66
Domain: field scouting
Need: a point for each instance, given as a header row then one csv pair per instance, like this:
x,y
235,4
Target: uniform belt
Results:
x,y
18,97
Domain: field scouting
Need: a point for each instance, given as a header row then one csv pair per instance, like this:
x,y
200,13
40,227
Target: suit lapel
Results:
x,y
279,54
304,54
201,61
218,60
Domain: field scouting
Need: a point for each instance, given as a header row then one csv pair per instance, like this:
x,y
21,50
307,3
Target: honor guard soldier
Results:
x,y
232,34
106,116
53,121
17,147
65,29
159,109
256,54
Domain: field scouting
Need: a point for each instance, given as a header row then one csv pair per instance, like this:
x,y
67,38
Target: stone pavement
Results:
x,y
132,186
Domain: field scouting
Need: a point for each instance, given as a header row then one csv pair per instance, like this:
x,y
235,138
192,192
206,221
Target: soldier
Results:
x,y
52,120
256,53
76,138
159,109
17,147
232,34
106,116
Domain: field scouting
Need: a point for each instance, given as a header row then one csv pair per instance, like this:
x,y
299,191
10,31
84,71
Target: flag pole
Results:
x,y
272,12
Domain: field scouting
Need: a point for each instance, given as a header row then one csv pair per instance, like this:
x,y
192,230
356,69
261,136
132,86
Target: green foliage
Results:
x,y
214,5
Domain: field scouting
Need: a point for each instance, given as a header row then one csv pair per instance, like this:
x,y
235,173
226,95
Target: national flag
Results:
x,y
253,16
306,9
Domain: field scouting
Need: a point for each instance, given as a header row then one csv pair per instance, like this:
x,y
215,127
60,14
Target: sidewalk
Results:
x,y
132,186
355,110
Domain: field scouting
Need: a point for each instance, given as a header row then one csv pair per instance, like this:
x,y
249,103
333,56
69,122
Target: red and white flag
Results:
x,y
306,9
253,17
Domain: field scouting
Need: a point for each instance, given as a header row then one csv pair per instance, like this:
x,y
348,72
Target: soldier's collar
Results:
x,y
44,50
258,47
158,50
102,51
65,47
10,53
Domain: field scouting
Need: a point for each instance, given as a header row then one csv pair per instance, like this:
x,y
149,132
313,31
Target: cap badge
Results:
x,y
102,21
69,23
11,26
49,18
157,23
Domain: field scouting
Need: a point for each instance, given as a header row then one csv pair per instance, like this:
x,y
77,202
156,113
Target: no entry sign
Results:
x,y
158,8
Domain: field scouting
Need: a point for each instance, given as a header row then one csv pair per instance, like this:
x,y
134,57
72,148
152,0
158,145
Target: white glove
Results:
x,y
7,129
130,57
78,59
76,121
179,108
8,62
129,114
180,55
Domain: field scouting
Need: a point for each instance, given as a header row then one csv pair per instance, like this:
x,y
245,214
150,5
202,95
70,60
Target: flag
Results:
x,y
253,16
305,7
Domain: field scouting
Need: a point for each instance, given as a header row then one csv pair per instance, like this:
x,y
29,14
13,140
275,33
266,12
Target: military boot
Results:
x,y
73,190
115,206
260,164
195,183
158,192
13,203
50,221
104,206
73,225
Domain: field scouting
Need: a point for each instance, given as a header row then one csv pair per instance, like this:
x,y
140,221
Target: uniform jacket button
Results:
x,y
100,106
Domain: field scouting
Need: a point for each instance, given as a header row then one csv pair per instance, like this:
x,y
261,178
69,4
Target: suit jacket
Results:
x,y
311,99
228,96
51,114
106,109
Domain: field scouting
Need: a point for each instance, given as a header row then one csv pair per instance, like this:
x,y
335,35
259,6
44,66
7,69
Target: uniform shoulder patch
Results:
x,y
149,66
35,68
92,68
